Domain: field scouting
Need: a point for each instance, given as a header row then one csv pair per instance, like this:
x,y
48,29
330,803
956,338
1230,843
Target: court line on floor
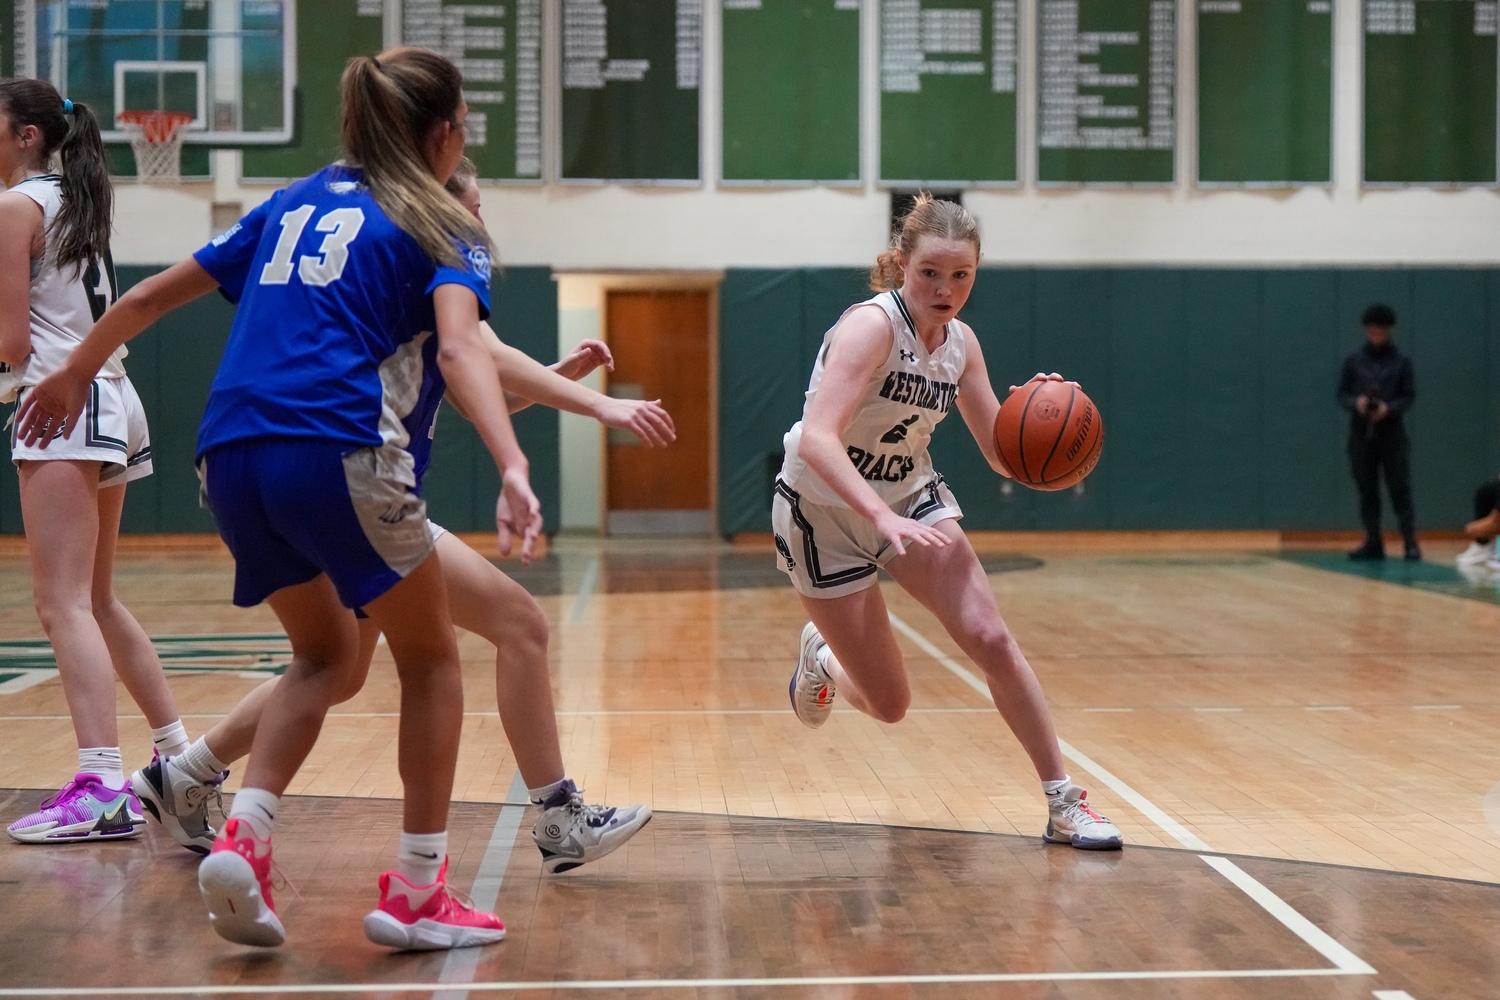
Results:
x,y
585,591
1342,958
458,968
678,984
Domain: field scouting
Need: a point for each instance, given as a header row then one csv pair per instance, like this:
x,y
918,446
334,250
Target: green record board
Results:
x,y
791,91
630,86
1265,92
948,92
1430,92
498,48
1107,91
329,34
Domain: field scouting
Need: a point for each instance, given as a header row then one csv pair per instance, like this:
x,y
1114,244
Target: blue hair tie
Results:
x,y
67,106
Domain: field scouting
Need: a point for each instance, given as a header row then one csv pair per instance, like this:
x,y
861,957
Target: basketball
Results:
x,y
1050,434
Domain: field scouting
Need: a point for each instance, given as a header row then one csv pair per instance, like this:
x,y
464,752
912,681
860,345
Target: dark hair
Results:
x,y
84,221
929,216
1378,314
390,105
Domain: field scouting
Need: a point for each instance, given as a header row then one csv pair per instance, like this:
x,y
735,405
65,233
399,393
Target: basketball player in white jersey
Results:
x,y
857,492
56,279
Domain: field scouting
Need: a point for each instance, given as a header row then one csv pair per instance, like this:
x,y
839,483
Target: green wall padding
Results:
x,y
1216,385
173,365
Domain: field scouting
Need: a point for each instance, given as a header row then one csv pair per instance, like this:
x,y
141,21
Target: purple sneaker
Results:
x,y
83,809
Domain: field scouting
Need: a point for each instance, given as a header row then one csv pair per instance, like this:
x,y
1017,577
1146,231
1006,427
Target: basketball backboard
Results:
x,y
229,63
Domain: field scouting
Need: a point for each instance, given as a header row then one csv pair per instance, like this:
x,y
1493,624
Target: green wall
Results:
x,y
173,365
1216,388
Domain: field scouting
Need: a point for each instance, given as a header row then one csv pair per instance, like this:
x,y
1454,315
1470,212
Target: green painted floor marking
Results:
x,y
1476,585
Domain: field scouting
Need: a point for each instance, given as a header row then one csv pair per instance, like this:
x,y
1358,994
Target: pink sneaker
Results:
x,y
429,917
235,880
83,809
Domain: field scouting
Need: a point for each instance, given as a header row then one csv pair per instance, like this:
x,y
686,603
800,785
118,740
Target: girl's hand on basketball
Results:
x,y
1043,377
588,355
900,531
51,408
646,419
518,512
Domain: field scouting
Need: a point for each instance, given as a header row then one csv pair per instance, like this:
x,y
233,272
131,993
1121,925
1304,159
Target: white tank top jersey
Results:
x,y
906,398
66,302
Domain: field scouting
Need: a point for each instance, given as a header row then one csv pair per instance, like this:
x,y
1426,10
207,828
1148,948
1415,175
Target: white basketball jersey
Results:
x,y
906,398
66,302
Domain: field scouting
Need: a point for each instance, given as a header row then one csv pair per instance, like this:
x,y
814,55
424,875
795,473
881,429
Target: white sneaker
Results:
x,y
1475,554
811,689
571,832
1071,821
179,802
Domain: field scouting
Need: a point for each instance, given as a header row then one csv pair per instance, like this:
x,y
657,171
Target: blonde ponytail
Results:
x,y
390,105
945,220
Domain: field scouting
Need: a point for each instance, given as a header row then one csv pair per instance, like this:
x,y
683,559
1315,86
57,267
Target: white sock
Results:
x,y
199,763
1056,787
170,740
541,795
421,856
107,762
257,807
821,659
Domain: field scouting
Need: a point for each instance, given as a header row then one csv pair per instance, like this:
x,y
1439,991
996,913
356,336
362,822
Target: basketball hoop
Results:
x,y
156,139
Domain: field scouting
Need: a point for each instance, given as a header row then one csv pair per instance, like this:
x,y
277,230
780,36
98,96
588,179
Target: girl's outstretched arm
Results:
x,y
57,400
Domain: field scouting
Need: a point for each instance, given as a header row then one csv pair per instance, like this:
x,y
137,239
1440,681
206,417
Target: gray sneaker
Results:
x,y
179,802
571,832
1071,821
811,689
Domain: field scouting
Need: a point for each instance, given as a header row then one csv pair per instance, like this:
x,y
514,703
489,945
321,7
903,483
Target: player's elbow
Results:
x,y
15,345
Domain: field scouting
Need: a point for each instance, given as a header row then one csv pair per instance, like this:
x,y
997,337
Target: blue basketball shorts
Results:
x,y
290,510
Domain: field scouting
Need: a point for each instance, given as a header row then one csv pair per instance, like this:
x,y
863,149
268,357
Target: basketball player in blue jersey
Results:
x,y
857,493
56,278
569,832
360,292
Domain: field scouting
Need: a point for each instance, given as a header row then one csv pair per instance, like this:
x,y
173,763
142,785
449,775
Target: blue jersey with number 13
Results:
x,y
335,334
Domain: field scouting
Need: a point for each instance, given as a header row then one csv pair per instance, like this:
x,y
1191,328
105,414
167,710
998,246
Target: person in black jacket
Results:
x,y
1377,387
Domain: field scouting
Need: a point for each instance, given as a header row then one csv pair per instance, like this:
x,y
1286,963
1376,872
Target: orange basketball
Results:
x,y
1050,434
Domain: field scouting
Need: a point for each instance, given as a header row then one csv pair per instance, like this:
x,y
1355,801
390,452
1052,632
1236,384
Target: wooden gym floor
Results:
x,y
1304,762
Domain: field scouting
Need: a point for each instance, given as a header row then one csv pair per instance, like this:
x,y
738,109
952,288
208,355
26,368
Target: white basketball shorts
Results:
x,y
833,551
112,431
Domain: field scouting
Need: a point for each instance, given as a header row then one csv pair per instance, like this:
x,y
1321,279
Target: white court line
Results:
x,y
585,590
1435,708
1096,710
1345,961
1305,929
674,984
459,966
1393,995
28,679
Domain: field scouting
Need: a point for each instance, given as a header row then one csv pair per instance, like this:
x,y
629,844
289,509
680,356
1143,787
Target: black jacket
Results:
x,y
1385,374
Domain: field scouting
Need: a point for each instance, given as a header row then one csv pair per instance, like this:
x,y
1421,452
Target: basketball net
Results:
x,y
156,139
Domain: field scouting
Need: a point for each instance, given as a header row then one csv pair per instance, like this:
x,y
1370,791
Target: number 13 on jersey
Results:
x,y
342,225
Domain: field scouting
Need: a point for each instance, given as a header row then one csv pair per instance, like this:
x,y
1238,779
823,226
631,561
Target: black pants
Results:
x,y
1387,448
1486,499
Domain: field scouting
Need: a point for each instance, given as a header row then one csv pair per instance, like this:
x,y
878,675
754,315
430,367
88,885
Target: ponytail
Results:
x,y
390,106
945,220
85,218
84,221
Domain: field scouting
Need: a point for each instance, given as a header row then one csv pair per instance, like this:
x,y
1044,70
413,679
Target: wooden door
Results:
x,y
660,341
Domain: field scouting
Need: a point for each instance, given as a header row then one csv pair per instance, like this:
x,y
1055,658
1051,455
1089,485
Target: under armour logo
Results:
x,y
897,434
908,355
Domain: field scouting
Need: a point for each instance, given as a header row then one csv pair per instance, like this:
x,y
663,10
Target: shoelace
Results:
x,y
590,815
457,897
73,787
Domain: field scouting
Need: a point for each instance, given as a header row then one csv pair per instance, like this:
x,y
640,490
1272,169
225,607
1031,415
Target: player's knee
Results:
x,y
60,613
890,707
996,645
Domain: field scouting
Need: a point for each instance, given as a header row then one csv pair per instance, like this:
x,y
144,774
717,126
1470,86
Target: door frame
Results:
x,y
596,286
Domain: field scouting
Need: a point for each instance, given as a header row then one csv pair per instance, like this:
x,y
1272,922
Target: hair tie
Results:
x,y
67,106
